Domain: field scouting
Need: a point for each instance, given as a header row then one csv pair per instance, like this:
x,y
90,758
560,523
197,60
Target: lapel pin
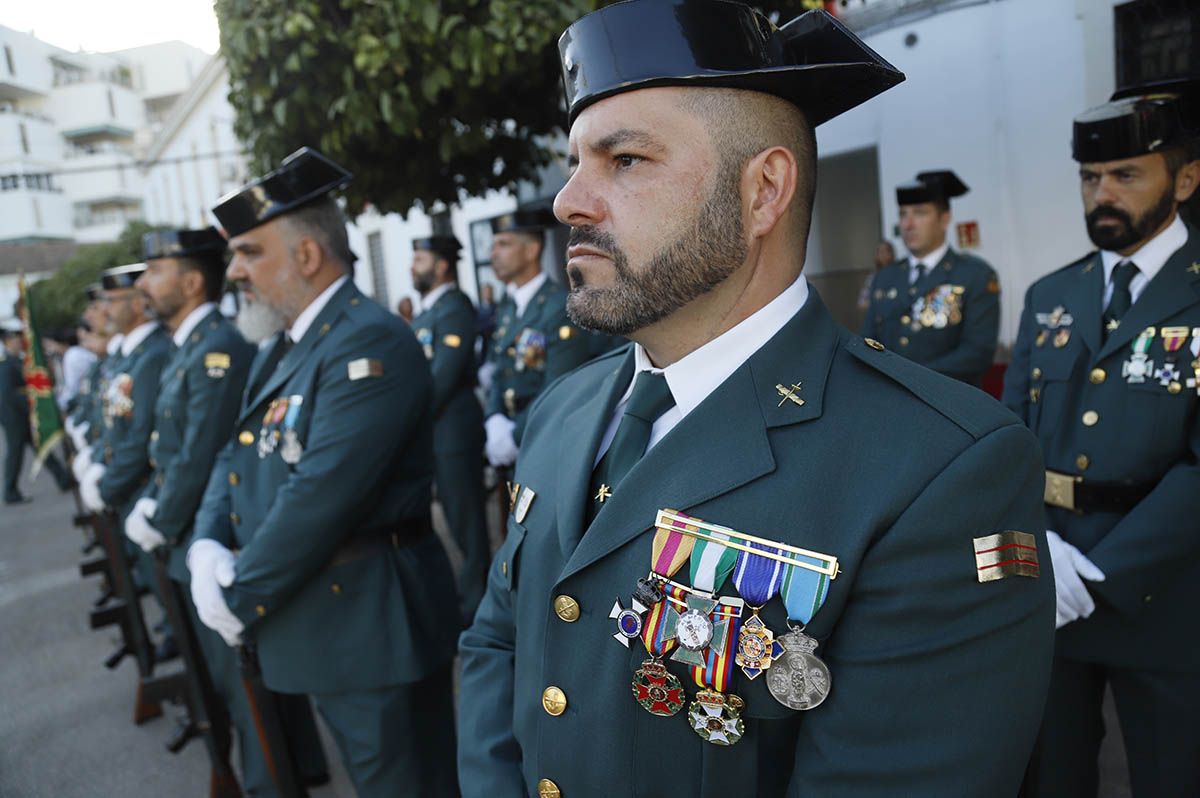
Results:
x,y
790,394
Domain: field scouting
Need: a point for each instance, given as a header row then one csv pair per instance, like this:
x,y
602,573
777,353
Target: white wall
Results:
x,y
83,106
34,214
33,70
108,174
163,69
45,145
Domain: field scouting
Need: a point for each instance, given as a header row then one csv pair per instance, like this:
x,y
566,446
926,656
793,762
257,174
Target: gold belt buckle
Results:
x,y
1060,490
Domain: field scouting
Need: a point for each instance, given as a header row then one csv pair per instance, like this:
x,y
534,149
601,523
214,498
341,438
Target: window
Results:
x,y
378,273
1156,40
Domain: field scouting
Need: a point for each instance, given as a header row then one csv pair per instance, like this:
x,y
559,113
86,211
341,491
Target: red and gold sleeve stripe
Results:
x,y
1006,554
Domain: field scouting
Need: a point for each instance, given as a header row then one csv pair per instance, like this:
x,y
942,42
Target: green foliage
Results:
x,y
59,298
424,101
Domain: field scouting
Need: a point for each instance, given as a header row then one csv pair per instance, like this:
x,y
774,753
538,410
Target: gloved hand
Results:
x,y
213,567
501,449
89,487
1071,567
83,459
69,426
484,375
138,528
78,435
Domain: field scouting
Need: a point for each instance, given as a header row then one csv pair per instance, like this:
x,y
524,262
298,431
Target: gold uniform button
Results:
x,y
906,319
1174,388
154,435
1035,394
246,437
1097,376
1147,598
512,351
548,789
871,342
260,610
1090,418
566,608
235,518
504,568
336,589
554,701
1082,462
903,340
234,478
1037,373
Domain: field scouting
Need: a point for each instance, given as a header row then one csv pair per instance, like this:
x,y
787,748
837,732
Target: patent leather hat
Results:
x,y
1139,120
304,176
813,61
935,186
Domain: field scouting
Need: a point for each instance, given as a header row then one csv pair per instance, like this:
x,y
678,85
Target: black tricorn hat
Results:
x,y
813,61
182,243
121,276
302,177
93,292
1138,120
446,246
524,221
935,186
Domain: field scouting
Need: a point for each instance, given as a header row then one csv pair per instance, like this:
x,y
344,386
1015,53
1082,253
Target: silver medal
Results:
x,y
798,679
291,449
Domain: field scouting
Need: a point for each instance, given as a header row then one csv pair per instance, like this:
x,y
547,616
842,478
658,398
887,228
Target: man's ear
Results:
x,y
1186,181
309,256
769,186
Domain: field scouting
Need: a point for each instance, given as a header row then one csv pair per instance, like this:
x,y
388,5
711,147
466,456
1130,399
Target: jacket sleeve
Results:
x,y
453,361
961,666
130,437
212,519
489,757
1155,540
356,433
212,408
1016,377
980,328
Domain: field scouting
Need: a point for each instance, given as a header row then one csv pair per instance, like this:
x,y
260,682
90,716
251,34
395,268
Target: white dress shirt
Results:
x,y
76,362
929,262
139,333
309,314
180,336
1149,259
696,375
523,295
114,344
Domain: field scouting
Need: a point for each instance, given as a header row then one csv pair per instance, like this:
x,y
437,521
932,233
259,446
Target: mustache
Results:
x,y
594,237
1109,212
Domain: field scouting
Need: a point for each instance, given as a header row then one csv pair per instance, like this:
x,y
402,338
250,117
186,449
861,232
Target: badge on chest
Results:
x,y
278,429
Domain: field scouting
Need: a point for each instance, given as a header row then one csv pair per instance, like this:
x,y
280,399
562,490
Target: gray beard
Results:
x,y
258,321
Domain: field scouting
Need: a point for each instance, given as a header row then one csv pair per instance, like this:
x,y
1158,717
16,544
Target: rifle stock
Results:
x,y
268,724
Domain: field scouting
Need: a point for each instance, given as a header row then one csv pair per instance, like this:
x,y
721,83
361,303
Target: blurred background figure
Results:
x,y
404,308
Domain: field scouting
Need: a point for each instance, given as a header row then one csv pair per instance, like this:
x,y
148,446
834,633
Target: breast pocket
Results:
x,y
507,561
1052,373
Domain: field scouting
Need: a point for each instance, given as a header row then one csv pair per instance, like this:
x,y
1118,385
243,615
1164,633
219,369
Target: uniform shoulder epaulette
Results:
x,y
962,404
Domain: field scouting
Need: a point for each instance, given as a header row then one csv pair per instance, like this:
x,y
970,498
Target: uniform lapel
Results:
x,y
1175,287
575,456
1082,301
733,422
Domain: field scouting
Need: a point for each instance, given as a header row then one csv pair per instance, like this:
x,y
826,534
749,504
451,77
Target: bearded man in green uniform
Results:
x,y
1106,372
445,328
725,492
313,539
937,307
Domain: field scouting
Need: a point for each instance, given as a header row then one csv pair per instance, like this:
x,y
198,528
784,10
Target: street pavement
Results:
x,y
66,727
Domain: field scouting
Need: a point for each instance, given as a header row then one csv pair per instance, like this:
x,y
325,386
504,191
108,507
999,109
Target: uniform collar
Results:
x,y
114,344
1152,255
932,259
524,294
309,314
695,376
430,299
140,333
194,318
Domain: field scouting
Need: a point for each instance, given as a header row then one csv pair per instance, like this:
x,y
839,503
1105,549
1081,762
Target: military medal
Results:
x,y
1173,339
1055,318
531,350
757,579
1139,366
1194,382
1041,338
268,435
291,449
1061,337
425,339
717,717
656,689
798,679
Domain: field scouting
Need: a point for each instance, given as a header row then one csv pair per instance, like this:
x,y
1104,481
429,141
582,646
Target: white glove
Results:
x,y
501,448
79,435
213,567
484,375
69,426
89,487
1071,567
83,459
138,528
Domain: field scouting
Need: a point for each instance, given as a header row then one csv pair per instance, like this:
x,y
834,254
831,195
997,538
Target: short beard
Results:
x,y
1131,231
692,265
423,283
168,307
257,321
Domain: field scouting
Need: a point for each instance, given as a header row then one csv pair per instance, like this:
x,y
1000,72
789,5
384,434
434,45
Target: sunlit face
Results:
x,y
655,212
125,307
162,283
923,227
424,270
513,253
267,276
1125,202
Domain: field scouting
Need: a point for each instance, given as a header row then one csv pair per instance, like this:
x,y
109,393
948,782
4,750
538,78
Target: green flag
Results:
x,y
39,384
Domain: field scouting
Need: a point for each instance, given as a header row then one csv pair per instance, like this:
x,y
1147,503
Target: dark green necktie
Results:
x,y
1122,297
651,398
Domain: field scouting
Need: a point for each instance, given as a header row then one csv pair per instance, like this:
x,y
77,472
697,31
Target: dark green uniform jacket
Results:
x,y
333,606
948,321
128,413
938,680
1142,432
531,351
446,333
198,399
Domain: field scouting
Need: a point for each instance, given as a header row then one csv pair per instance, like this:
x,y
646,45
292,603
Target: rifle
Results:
x,y
125,611
268,724
207,716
